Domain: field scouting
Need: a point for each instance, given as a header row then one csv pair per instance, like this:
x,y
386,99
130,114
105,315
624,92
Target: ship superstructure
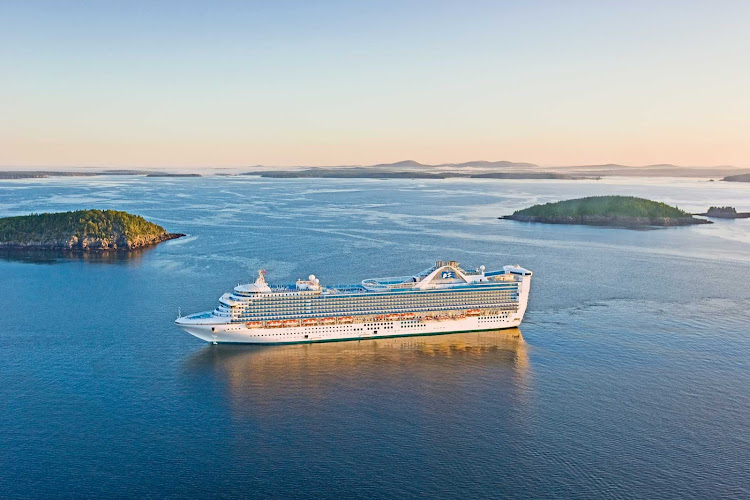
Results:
x,y
441,299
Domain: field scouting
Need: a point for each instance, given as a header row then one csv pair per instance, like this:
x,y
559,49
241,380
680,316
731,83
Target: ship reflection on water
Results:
x,y
262,380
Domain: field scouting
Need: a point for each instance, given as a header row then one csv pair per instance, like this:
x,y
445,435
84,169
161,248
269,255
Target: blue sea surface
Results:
x,y
629,377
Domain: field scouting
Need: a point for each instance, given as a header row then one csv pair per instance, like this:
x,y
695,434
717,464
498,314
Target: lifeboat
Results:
x,y
391,317
459,316
407,316
473,312
273,324
254,324
309,321
346,319
328,321
378,318
290,322
442,317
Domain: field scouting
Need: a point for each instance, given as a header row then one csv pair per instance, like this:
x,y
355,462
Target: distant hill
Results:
x,y
460,169
401,164
491,165
348,173
377,173
477,167
82,230
626,211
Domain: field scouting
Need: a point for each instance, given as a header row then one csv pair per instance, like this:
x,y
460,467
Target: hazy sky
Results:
x,y
203,83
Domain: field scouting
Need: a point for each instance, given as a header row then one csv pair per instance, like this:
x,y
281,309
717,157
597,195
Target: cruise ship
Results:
x,y
441,299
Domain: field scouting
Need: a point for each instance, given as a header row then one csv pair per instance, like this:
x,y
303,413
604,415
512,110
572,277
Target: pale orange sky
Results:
x,y
185,85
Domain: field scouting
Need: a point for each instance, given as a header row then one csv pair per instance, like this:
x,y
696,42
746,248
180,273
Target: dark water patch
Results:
x,y
34,256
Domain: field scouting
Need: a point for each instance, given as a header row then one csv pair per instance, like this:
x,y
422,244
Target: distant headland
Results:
x,y
620,211
43,174
81,231
407,169
737,178
376,173
163,174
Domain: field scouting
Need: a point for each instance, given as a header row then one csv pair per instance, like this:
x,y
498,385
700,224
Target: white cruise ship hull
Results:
x,y
442,299
239,334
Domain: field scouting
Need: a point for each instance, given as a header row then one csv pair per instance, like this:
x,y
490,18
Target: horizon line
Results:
x,y
351,165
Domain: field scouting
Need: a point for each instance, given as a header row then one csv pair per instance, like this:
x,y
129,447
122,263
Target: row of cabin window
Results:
x,y
389,299
323,306
250,312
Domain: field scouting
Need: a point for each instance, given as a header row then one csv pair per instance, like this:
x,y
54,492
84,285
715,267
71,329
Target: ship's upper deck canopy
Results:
x,y
444,274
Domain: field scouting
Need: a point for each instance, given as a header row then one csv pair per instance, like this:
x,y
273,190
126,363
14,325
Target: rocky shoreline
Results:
x,y
74,244
614,221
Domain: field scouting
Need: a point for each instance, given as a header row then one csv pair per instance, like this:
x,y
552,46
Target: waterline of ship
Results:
x,y
441,299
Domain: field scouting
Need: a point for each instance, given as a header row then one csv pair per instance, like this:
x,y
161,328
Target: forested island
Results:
x,y
532,175
621,211
41,174
163,174
82,230
725,213
346,173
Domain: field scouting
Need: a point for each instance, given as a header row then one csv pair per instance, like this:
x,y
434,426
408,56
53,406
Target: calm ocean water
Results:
x,y
630,376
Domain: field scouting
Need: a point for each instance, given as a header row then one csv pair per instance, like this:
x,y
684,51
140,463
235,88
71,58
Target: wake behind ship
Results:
x,y
442,299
